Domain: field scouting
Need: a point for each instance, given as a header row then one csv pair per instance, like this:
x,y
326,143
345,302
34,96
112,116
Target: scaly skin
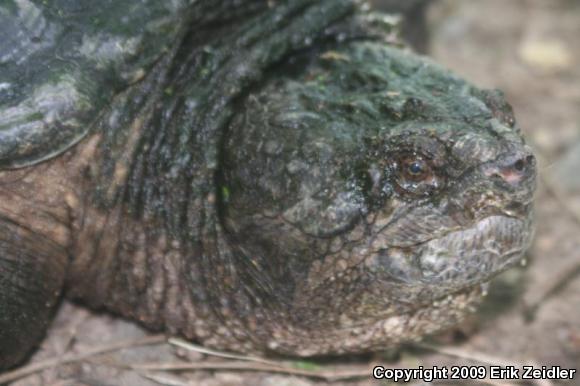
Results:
x,y
285,182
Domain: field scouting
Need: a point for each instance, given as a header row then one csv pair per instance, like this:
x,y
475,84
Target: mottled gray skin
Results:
x,y
271,178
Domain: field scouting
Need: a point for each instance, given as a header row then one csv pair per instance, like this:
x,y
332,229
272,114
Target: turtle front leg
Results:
x,y
32,270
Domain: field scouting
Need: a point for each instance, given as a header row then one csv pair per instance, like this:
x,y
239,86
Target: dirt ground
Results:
x,y
531,50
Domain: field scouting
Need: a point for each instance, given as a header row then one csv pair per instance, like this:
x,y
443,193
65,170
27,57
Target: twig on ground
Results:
x,y
237,363
202,350
327,375
77,357
164,379
331,375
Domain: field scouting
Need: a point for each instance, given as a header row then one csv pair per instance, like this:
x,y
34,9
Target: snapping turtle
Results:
x,y
268,176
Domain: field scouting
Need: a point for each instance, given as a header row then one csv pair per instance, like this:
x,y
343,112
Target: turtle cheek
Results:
x,y
397,264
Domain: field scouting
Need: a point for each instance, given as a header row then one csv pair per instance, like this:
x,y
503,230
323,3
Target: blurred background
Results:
x,y
530,49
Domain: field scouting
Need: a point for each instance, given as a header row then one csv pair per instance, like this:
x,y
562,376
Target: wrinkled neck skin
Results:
x,y
254,193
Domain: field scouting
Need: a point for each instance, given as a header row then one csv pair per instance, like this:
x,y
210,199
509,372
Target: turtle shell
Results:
x,y
62,62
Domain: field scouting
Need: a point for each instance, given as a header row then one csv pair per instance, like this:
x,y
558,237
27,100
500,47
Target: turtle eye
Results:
x,y
416,176
416,168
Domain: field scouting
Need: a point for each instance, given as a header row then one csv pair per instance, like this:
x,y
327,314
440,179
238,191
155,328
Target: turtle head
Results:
x,y
375,191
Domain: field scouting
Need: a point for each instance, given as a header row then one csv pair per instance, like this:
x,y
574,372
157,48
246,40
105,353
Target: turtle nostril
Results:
x,y
530,159
522,164
519,165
